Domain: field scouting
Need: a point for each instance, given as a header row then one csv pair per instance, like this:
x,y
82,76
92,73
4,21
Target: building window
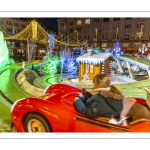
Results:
x,y
79,22
9,30
127,26
8,44
9,23
13,44
61,31
104,44
94,37
86,29
78,29
114,36
116,19
104,37
105,28
70,37
106,20
79,37
71,23
140,24
16,24
61,24
70,30
95,28
148,44
87,37
96,20
23,26
138,36
115,26
87,21
126,36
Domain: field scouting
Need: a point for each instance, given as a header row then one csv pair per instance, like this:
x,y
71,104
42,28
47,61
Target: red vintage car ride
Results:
x,y
55,112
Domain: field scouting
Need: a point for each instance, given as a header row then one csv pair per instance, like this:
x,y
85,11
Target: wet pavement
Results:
x,y
5,120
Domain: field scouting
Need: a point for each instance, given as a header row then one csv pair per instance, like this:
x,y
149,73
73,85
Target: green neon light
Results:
x,y
50,65
4,52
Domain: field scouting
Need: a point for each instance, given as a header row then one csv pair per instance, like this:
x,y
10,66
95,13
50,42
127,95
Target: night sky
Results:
x,y
49,23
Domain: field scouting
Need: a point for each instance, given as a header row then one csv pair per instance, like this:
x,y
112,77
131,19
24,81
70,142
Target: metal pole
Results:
x,y
117,34
96,35
28,51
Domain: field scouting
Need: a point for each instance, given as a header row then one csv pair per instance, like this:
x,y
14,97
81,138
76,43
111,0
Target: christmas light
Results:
x,y
4,53
117,49
35,33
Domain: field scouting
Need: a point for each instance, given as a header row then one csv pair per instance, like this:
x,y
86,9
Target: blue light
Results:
x,y
70,64
117,50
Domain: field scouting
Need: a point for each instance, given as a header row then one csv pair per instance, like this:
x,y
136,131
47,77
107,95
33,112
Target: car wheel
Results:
x,y
36,123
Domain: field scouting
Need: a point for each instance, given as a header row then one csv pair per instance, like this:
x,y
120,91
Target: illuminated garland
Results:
x,y
34,32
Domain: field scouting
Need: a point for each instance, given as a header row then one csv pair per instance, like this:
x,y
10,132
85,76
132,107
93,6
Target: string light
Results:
x,y
34,32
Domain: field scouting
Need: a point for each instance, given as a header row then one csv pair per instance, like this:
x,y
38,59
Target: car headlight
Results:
x,y
13,105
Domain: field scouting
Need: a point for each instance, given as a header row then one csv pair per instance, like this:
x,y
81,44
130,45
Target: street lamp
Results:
x,y
116,33
141,29
77,37
96,34
141,32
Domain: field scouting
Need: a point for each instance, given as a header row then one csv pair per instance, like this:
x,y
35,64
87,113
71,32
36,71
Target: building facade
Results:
x,y
13,26
132,32
17,48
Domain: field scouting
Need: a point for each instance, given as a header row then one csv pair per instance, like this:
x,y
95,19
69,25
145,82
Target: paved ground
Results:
x,y
5,120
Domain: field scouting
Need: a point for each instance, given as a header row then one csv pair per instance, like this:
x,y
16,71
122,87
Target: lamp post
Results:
x,y
77,36
117,34
96,34
141,32
141,29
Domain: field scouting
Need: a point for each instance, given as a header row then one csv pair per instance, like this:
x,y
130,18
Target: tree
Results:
x,y
117,48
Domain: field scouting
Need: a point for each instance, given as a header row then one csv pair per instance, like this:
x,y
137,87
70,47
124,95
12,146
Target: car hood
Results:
x,y
61,94
58,98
